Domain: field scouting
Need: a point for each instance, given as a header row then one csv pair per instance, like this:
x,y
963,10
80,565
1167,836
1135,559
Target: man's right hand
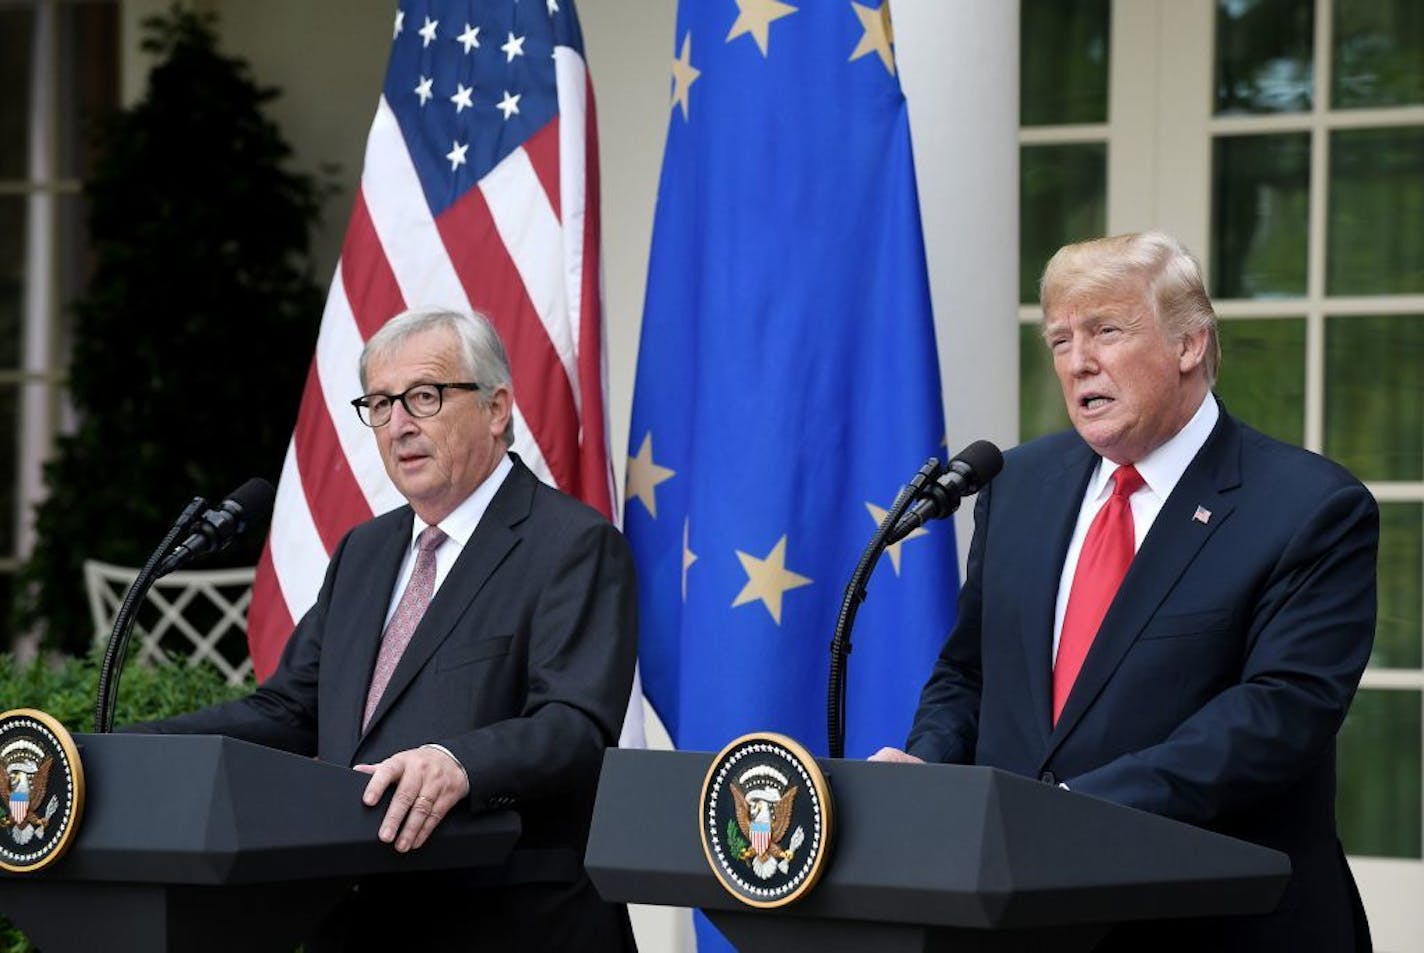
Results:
x,y
896,755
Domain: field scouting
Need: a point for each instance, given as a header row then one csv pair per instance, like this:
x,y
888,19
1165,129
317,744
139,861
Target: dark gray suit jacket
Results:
x,y
521,667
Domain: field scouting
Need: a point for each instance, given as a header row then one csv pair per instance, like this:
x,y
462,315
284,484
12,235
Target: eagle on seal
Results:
x,y
764,823
27,791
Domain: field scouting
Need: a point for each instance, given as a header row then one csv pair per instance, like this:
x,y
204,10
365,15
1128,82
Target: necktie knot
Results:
x,y
430,539
1127,481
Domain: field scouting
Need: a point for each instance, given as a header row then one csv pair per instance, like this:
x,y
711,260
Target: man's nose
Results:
x,y
1081,357
402,421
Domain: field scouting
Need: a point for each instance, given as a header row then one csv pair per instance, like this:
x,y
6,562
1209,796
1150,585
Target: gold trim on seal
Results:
x,y
823,797
76,772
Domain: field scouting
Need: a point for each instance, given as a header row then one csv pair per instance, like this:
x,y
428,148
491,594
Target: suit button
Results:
x,y
1048,778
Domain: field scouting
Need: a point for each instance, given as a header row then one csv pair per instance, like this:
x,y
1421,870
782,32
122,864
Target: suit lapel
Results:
x,y
1173,542
488,546
1055,513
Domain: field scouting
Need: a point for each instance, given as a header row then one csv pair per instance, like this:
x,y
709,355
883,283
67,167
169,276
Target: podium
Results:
x,y
195,842
928,858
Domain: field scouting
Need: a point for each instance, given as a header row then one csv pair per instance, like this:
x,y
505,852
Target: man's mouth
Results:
x,y
1093,401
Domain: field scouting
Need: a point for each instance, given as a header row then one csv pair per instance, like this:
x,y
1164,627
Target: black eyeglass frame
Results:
x,y
363,403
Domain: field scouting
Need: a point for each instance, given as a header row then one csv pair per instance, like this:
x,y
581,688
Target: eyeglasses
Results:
x,y
419,400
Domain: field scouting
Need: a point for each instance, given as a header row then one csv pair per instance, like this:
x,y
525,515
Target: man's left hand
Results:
x,y
428,783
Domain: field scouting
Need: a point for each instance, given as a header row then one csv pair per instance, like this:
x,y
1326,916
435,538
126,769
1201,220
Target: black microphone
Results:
x,y
215,529
965,475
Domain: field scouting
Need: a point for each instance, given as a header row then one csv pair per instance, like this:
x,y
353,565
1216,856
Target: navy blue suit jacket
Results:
x,y
1221,674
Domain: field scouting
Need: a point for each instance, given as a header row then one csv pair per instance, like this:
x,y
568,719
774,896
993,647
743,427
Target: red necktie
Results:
x,y
410,609
1107,552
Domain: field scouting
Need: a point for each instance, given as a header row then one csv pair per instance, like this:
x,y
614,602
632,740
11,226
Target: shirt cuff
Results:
x,y
449,754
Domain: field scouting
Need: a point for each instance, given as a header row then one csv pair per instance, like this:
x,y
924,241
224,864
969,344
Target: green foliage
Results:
x,y
735,840
199,319
65,688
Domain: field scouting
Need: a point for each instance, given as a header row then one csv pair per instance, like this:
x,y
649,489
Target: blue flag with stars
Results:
x,y
788,383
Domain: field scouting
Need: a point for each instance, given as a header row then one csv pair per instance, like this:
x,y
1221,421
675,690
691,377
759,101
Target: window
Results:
x,y
58,66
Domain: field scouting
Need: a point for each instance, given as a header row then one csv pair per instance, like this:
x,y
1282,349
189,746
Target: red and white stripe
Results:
x,y
521,248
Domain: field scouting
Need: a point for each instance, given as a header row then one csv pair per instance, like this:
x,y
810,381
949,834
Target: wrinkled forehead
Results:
x,y
1090,304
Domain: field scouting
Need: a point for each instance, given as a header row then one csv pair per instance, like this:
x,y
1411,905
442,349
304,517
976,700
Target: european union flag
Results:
x,y
788,383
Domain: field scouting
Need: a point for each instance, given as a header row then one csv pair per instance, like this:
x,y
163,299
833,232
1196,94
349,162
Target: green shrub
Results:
x,y
65,688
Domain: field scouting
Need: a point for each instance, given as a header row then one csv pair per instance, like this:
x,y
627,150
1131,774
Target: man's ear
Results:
x,y
1191,350
501,406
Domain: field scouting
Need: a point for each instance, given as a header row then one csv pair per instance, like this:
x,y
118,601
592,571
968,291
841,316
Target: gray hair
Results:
x,y
481,350
1171,278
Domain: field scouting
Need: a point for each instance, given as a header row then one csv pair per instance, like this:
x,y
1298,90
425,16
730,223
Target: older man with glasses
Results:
x,y
471,650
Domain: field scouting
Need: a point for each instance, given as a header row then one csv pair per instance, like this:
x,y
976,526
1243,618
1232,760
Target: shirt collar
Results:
x,y
1163,468
460,524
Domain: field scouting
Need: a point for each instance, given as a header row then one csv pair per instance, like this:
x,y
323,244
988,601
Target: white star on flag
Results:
x,y
457,155
513,47
428,31
509,105
423,90
461,99
470,38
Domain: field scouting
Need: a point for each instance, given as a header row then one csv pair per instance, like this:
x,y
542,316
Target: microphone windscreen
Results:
x,y
983,459
256,497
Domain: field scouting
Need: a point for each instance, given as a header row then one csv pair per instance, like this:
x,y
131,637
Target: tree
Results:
x,y
194,333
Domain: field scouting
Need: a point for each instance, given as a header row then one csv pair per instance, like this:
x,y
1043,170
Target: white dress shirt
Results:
x,y
1160,470
459,526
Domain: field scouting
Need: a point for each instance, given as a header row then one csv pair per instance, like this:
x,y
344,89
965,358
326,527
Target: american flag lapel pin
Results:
x,y
1202,515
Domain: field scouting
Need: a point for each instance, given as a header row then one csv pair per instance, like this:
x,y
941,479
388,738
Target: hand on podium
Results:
x,y
428,783
896,755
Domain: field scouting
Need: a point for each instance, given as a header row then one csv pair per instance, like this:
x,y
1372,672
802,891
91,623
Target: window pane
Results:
x,y
1399,634
1264,56
1378,803
1063,57
1263,374
1260,209
16,64
1062,199
1379,53
1041,407
89,85
12,278
1376,217
1374,395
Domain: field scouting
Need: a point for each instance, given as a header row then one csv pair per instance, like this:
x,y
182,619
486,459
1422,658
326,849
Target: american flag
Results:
x,y
479,191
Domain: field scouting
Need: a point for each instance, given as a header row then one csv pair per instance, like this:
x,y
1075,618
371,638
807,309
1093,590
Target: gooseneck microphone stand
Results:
x,y
855,595
117,649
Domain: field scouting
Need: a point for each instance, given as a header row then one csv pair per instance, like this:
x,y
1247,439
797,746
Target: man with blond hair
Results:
x,y
1163,607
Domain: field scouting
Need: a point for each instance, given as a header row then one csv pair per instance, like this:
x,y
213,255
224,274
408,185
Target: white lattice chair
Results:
x,y
165,626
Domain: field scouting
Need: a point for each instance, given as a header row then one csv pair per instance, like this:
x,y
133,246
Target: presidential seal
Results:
x,y
765,816
41,790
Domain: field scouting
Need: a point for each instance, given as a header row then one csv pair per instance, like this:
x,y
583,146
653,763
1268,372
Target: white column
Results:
x,y
959,66
39,302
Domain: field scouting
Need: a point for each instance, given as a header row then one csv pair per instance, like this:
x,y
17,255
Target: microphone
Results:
x,y
965,475
215,529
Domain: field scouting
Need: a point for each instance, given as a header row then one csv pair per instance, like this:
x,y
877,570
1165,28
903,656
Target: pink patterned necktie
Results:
x,y
409,611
